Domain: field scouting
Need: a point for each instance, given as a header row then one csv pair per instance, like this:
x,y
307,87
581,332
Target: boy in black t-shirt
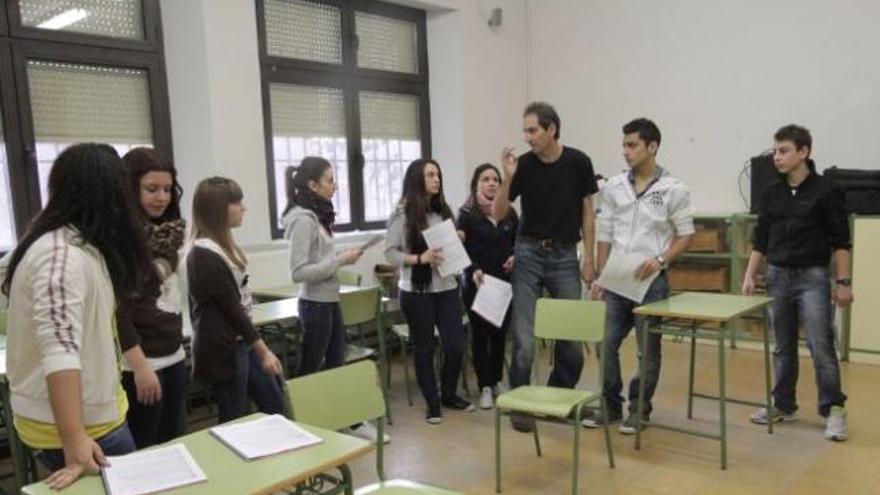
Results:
x,y
556,184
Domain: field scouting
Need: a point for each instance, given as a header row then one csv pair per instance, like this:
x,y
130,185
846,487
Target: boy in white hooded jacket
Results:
x,y
646,213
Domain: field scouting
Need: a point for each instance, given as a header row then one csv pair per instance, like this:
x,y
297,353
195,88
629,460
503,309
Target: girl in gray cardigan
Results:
x,y
308,221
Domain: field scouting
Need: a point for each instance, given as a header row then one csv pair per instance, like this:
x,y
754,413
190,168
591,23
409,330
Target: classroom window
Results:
x,y
74,71
345,80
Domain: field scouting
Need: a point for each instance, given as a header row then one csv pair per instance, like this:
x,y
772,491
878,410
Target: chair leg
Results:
x,y
576,454
497,450
607,434
537,440
409,398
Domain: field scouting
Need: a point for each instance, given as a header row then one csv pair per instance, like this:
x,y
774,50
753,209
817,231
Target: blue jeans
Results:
x,y
164,420
117,442
424,312
249,381
802,296
557,271
619,319
323,336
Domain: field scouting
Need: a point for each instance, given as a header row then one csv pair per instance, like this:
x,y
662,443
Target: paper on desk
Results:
x,y
263,437
151,471
492,300
619,275
444,236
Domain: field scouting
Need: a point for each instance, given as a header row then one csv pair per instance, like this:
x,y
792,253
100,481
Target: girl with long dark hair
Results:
x,y
489,242
155,413
427,299
83,256
228,353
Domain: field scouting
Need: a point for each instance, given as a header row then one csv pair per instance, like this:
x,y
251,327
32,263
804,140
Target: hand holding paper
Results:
x,y
444,236
492,300
619,275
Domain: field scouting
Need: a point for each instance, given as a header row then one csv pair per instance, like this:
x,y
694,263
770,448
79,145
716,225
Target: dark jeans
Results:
x,y
619,319
487,342
557,271
164,420
323,336
424,312
249,381
802,296
117,442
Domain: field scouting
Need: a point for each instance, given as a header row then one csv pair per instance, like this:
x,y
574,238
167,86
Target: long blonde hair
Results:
x,y
210,215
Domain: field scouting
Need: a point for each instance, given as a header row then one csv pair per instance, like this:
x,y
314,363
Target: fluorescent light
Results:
x,y
64,19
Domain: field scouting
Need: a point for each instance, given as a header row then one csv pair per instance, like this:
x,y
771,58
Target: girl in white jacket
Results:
x,y
83,257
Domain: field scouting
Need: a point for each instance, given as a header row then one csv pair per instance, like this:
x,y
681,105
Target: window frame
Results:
x,y
18,44
351,79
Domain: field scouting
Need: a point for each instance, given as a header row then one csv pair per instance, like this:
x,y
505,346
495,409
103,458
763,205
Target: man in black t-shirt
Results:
x,y
556,184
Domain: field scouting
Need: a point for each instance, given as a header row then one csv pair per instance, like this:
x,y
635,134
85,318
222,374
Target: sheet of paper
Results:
x,y
444,236
493,299
151,471
376,239
619,275
263,437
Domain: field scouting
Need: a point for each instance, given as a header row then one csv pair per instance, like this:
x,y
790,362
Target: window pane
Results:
x,y
309,121
386,44
72,103
7,219
113,18
303,30
390,131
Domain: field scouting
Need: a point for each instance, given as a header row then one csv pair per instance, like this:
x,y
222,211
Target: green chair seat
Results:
x,y
402,487
543,401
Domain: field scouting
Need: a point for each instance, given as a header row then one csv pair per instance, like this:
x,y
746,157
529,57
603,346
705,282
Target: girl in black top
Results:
x,y
489,242
155,414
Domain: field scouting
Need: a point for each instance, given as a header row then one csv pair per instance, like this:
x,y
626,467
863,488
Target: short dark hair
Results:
x,y
648,130
798,135
546,115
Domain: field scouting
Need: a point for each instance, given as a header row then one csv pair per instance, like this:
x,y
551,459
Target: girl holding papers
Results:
x,y
82,256
427,299
228,353
489,242
308,221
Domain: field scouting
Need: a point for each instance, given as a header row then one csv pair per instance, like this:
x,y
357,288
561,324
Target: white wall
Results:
x,y
718,78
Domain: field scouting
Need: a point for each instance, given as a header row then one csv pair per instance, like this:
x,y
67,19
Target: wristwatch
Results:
x,y
846,282
662,261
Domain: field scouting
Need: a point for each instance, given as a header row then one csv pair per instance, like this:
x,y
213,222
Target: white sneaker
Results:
x,y
835,424
486,398
761,417
367,431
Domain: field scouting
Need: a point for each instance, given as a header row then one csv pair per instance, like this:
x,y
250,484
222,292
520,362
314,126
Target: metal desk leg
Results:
x,y
641,404
767,381
722,394
691,371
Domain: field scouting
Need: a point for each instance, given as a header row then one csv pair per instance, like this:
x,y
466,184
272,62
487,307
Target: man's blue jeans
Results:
x,y
117,442
802,296
536,269
619,319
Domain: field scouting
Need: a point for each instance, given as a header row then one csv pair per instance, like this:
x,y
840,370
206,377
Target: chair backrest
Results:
x,y
348,278
337,398
360,306
564,319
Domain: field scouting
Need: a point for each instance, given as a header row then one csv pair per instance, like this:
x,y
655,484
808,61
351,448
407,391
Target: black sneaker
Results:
x,y
593,418
522,424
628,427
433,415
457,403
